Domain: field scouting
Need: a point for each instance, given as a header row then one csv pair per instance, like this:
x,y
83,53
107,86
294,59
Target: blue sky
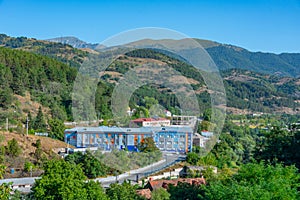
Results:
x,y
265,25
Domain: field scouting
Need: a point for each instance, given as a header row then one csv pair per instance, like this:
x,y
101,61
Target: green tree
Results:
x,y
150,101
95,191
30,121
124,191
192,158
2,154
13,149
91,166
147,145
38,151
28,166
39,121
185,191
57,129
2,170
5,190
279,145
5,98
66,181
160,194
257,181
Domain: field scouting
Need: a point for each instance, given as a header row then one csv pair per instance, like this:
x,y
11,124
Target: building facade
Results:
x,y
172,139
150,122
106,138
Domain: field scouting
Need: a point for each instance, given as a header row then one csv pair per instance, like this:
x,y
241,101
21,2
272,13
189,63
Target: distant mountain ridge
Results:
x,y
73,41
227,56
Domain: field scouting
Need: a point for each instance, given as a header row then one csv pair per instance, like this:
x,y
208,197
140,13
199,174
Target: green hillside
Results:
x,y
48,80
62,52
227,57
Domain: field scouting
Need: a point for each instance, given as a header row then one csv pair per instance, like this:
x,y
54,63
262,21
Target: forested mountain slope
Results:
x,y
48,79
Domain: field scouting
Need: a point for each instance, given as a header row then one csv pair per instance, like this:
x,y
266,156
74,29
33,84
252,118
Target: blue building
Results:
x,y
173,139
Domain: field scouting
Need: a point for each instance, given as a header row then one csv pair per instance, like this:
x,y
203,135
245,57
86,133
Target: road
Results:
x,y
135,175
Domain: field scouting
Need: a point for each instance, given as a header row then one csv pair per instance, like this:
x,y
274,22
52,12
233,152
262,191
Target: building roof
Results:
x,y
145,193
155,184
149,119
172,129
105,129
20,181
141,130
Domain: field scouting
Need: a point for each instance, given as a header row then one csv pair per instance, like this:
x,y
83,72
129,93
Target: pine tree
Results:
x,y
39,122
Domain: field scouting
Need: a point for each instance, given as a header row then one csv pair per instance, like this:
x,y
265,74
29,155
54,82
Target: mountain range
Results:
x,y
227,57
44,72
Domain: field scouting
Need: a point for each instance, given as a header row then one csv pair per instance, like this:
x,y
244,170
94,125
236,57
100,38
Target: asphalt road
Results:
x,y
135,175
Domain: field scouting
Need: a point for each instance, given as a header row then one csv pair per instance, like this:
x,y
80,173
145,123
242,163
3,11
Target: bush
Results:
x,y
13,149
28,166
192,158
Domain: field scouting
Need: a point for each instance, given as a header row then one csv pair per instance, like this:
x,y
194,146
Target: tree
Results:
x,y
192,158
279,146
150,101
38,151
39,121
2,171
38,144
28,166
95,191
13,149
2,154
57,129
5,98
160,194
5,190
257,181
124,191
30,121
64,180
184,191
147,145
91,166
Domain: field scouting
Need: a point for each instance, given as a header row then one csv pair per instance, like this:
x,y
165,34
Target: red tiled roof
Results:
x,y
155,184
145,193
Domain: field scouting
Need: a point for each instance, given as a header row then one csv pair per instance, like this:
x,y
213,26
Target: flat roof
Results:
x,y
125,130
20,181
114,129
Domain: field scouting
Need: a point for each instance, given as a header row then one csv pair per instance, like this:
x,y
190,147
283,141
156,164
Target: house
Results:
x,y
155,184
146,193
168,113
199,140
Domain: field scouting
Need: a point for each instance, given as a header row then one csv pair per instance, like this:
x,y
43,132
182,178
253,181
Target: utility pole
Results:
x,y
6,124
27,126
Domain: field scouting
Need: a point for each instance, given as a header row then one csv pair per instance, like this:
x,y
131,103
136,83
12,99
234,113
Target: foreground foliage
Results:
x,y
63,180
